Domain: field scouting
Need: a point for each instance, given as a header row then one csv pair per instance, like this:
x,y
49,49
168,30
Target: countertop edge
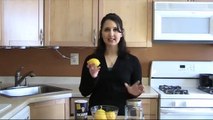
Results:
x,y
16,107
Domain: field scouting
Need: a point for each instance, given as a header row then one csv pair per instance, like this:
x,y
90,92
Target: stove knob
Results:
x,y
173,104
179,104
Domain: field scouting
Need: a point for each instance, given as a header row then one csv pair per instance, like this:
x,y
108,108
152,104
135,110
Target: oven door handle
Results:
x,y
194,111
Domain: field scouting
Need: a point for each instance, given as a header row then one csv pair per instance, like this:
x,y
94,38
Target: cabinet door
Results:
x,y
53,109
71,22
150,107
22,22
136,18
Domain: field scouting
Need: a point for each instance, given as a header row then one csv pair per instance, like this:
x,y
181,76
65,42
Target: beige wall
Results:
x,y
47,62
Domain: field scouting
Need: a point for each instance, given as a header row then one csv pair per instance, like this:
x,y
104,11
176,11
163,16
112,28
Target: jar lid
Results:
x,y
134,102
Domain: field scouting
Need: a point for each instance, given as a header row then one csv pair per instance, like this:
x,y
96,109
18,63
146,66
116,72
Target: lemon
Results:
x,y
111,115
94,61
100,114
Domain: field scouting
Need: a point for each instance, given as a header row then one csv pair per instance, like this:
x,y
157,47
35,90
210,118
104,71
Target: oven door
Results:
x,y
186,113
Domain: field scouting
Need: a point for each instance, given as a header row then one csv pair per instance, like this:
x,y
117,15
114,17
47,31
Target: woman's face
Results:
x,y
110,33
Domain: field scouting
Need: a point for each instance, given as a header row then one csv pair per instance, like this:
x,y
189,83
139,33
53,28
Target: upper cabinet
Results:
x,y
71,22
22,22
76,22
136,16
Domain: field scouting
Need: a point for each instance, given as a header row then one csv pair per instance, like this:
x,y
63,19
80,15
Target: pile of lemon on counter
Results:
x,y
102,114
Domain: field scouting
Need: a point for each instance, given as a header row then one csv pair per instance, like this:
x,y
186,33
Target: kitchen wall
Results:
x,y
47,62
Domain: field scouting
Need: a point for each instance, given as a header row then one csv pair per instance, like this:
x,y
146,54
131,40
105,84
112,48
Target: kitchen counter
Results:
x,y
18,103
148,92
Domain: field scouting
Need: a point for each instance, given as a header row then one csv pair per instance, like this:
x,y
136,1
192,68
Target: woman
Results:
x,y
118,77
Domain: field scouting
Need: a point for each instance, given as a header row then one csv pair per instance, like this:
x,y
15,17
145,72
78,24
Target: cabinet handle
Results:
x,y
94,37
41,37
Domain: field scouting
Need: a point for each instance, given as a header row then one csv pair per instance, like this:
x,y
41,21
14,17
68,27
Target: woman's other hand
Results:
x,y
136,89
93,69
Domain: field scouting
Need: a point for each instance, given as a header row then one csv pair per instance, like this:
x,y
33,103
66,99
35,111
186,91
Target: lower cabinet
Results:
x,y
52,109
150,107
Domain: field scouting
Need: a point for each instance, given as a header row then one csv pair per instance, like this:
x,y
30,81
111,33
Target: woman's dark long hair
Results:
x,y
122,49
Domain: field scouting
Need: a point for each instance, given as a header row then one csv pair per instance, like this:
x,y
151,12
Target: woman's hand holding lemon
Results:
x,y
94,68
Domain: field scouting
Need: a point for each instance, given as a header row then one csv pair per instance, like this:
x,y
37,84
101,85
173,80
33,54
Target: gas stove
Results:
x,y
170,89
177,83
174,89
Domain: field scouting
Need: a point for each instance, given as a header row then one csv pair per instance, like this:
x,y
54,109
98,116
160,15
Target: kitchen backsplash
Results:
x,y
69,81
47,62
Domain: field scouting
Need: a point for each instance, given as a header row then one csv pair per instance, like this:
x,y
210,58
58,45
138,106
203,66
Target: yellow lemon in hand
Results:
x,y
94,61
111,115
100,114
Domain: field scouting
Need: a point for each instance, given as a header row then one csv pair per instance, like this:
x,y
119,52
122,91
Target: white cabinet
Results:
x,y
202,0
22,22
23,114
0,21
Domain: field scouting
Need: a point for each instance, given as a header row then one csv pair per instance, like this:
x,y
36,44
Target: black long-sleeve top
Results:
x,y
108,88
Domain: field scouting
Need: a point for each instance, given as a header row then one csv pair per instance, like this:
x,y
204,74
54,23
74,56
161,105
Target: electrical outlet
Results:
x,y
74,58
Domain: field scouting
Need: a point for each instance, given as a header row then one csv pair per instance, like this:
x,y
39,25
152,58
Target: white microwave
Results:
x,y
183,21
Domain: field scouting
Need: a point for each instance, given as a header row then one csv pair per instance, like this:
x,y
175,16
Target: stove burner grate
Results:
x,y
172,89
206,89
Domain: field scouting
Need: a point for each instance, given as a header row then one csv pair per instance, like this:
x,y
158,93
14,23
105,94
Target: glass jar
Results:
x,y
134,109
